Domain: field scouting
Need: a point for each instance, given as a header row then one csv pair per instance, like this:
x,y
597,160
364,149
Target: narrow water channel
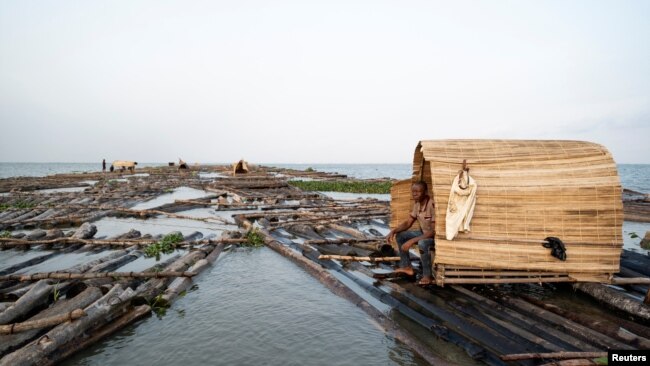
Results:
x,y
253,307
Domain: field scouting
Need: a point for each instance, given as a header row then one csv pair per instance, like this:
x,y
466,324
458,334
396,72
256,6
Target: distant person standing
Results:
x,y
103,165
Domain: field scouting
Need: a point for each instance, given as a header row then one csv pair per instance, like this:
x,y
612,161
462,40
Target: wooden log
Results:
x,y
27,263
636,262
41,323
552,355
85,231
526,335
304,231
385,250
131,234
159,266
147,291
37,296
36,234
101,312
178,285
212,257
626,272
630,281
543,329
93,275
345,250
463,330
622,330
96,335
93,265
5,305
341,241
113,264
12,342
193,237
570,327
321,221
615,300
348,230
359,259
12,242
573,362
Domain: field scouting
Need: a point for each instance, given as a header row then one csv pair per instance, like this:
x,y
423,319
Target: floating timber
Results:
x,y
528,317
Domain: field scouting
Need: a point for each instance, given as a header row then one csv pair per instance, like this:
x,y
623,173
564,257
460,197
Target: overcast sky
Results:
x,y
317,82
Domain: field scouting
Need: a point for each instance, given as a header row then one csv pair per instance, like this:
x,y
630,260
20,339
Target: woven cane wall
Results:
x,y
527,191
401,202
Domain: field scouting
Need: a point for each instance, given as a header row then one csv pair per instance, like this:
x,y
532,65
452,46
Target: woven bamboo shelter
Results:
x,y
527,191
124,163
240,167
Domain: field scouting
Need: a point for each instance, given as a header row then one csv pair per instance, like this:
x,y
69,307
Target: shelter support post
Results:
x,y
440,275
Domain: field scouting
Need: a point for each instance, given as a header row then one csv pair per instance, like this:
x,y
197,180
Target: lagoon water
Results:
x,y
253,307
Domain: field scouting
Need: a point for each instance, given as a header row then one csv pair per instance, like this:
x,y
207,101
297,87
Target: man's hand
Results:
x,y
390,237
409,244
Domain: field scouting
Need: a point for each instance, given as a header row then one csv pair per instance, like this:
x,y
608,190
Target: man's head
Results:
x,y
419,190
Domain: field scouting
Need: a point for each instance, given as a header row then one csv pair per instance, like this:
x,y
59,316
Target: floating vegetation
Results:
x,y
17,204
5,234
158,306
255,239
165,246
343,186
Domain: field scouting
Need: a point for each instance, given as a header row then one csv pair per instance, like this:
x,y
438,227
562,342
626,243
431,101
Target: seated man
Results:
x,y
423,212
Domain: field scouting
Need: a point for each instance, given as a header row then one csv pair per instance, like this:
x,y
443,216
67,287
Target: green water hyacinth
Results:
x,y
255,239
166,245
343,186
18,204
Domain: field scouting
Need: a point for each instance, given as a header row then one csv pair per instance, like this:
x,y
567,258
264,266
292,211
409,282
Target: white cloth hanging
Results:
x,y
460,209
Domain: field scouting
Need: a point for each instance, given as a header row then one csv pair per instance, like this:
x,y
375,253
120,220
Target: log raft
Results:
x,y
485,322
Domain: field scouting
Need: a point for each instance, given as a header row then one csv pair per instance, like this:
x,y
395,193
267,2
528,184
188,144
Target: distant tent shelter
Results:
x,y
527,191
240,167
124,164
182,164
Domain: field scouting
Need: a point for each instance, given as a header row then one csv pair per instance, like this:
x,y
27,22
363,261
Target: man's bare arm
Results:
x,y
405,225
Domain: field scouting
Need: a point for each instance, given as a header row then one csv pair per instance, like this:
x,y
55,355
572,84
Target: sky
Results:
x,y
317,81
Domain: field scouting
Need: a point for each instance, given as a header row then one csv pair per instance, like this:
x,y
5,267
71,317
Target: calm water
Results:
x,y
242,316
42,169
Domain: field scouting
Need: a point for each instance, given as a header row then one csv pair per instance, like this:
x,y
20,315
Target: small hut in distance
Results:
x,y
125,165
240,167
527,191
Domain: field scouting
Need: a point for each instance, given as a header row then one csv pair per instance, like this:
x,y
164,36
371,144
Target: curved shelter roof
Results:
x,y
527,190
